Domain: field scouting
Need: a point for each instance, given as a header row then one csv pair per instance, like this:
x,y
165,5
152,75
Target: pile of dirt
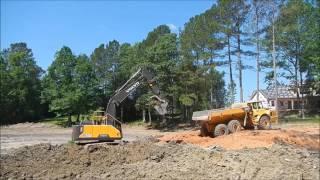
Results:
x,y
152,160
306,138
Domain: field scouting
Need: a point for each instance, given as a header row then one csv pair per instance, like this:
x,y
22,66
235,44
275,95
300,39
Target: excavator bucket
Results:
x,y
161,108
161,105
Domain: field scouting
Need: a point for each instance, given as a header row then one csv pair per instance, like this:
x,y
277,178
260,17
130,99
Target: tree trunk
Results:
x,y
186,114
230,70
143,115
211,97
69,120
78,117
211,56
258,52
149,113
274,58
302,99
239,63
296,79
190,114
164,119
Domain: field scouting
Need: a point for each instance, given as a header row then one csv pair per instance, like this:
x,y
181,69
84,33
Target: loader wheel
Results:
x,y
220,130
204,131
264,123
234,126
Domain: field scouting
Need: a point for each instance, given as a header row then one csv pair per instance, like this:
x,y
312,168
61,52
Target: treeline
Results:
x,y
232,34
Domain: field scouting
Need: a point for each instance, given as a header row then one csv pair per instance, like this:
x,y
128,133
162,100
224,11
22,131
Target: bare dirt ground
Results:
x,y
291,152
19,135
299,137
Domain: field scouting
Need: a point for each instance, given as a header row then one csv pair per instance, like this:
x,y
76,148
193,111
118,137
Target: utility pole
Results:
x,y
274,59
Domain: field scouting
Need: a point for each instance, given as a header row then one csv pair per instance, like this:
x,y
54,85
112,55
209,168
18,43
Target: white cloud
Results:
x,y
173,28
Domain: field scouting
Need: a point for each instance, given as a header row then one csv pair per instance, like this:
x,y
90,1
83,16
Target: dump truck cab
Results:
x,y
261,111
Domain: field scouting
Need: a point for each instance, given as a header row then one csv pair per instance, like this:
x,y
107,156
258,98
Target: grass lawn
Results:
x,y
297,119
60,121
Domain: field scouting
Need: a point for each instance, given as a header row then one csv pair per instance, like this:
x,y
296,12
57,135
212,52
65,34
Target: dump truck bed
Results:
x,y
222,115
205,114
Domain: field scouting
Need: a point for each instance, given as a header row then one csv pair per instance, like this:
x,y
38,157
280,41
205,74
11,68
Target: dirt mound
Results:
x,y
150,160
306,138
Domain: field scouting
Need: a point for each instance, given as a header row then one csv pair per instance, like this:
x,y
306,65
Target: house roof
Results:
x,y
283,92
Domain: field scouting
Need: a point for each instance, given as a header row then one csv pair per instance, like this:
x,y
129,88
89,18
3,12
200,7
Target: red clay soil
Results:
x,y
305,138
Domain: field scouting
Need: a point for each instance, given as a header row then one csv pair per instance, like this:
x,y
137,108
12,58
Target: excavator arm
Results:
x,y
138,78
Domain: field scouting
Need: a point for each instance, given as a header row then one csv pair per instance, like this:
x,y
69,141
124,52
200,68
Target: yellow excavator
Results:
x,y
107,127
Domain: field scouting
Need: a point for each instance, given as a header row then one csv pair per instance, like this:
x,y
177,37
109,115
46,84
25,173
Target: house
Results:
x,y
287,98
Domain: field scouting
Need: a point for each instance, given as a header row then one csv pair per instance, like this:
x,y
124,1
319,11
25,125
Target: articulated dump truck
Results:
x,y
248,115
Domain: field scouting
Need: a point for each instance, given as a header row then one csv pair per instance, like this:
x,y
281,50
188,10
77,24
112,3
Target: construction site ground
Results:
x,y
42,151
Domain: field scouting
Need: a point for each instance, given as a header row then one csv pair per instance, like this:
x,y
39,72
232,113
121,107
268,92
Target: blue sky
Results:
x,y
82,25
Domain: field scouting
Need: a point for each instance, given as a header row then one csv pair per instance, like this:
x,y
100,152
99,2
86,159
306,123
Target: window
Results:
x,y
296,105
281,103
272,103
289,105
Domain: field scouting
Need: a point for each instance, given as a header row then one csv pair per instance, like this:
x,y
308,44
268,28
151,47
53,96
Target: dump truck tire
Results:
x,y
264,123
220,130
204,131
234,126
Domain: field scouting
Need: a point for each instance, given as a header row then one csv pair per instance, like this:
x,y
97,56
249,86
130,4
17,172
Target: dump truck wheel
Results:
x,y
234,126
264,123
220,130
204,131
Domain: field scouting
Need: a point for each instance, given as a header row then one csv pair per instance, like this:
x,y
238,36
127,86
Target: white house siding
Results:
x,y
263,99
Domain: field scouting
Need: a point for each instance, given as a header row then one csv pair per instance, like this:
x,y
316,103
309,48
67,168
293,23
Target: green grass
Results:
x,y
71,142
59,121
298,119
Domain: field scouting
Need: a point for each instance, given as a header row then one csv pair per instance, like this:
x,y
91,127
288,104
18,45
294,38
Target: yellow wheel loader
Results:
x,y
106,127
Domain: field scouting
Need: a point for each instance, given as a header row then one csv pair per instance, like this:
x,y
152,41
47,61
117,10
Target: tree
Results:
x,y
227,26
201,42
100,66
87,85
105,61
234,13
20,84
292,24
311,55
241,11
59,87
162,56
259,12
158,52
217,91
142,104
